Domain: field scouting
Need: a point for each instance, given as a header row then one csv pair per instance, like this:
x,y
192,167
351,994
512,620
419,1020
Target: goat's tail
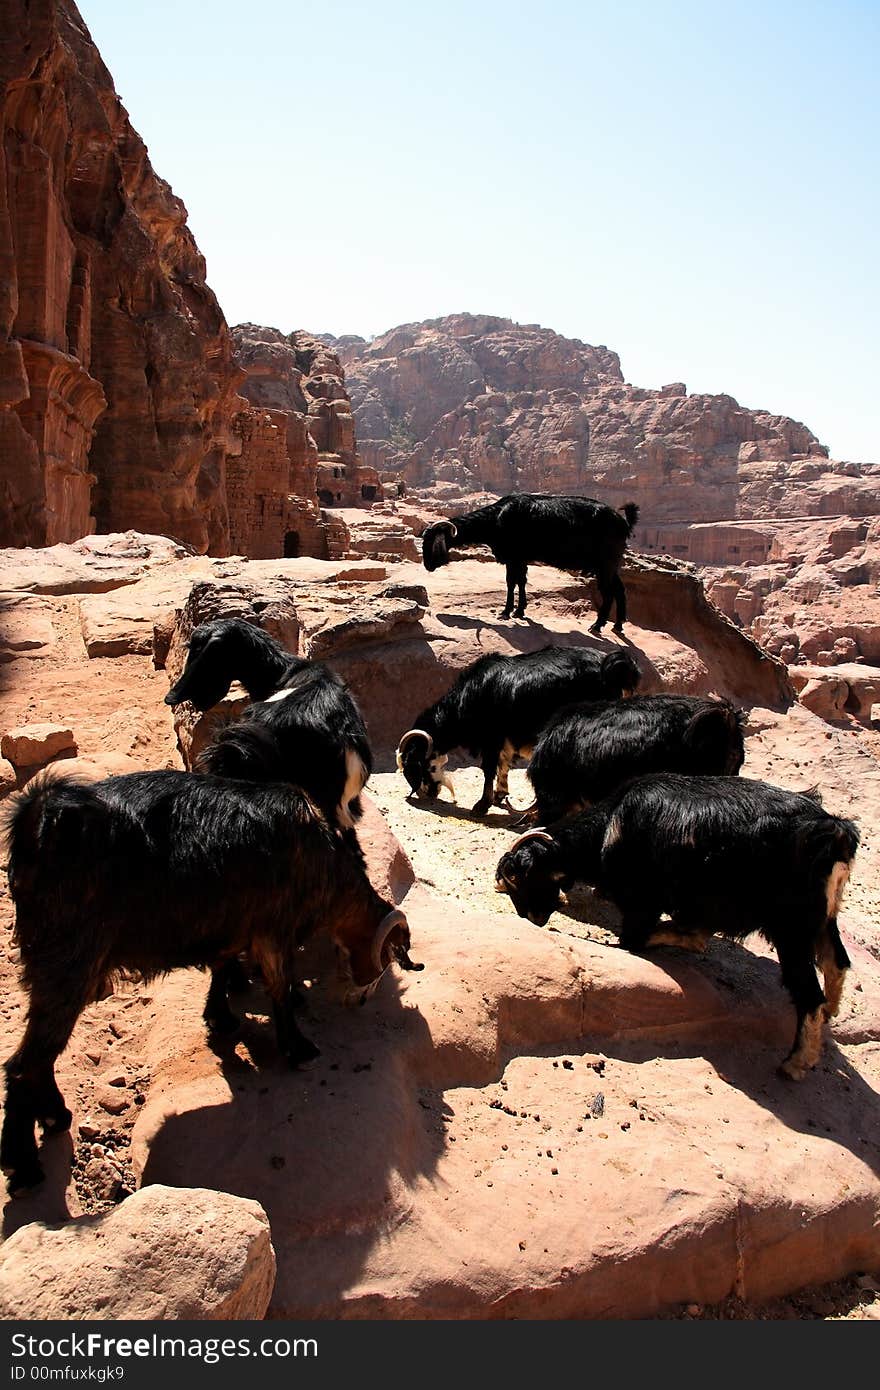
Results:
x,y
620,672
631,512
827,842
243,749
50,821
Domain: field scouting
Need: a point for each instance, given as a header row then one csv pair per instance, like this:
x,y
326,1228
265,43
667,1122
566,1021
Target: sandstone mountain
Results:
x,y
472,403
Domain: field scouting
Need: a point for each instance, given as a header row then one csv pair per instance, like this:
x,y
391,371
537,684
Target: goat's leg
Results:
x,y
605,582
619,605
833,961
490,767
501,795
521,573
638,926
799,978
217,1014
511,572
32,1094
292,1043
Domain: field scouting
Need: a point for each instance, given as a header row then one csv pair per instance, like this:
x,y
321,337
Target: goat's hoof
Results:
x,y
791,1070
222,1025
596,629
481,807
618,628
519,612
505,613
24,1177
57,1122
303,1055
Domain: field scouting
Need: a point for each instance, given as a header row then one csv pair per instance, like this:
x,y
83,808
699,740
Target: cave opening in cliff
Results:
x,y
291,545
325,497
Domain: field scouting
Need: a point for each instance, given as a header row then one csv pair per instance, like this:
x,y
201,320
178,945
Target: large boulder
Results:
x,y
164,1253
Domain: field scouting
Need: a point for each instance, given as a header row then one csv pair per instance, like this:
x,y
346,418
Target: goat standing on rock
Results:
x,y
157,871
570,533
498,707
718,854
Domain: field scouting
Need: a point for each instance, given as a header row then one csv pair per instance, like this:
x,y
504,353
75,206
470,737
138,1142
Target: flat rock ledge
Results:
x,y
163,1253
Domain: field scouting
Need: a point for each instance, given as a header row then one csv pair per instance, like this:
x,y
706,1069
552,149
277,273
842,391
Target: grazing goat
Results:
x,y
497,708
155,871
570,533
586,751
304,727
718,854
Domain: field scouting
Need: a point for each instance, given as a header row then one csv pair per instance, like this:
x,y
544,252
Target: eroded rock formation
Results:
x,y
299,452
471,403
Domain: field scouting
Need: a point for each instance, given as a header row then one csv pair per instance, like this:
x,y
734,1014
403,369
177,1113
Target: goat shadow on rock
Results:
x,y
760,1027
326,1148
522,632
834,1101
48,1202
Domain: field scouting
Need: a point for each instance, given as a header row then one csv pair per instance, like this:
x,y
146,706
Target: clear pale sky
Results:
x,y
693,184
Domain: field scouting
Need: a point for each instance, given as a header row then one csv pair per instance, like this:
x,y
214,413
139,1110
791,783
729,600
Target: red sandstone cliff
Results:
x,y
118,387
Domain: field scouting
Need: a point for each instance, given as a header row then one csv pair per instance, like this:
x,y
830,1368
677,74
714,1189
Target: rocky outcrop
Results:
x,y
471,403
118,388
300,451
164,1253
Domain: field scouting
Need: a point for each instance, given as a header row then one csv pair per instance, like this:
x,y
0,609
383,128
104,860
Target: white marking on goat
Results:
x,y
355,780
279,695
437,774
837,881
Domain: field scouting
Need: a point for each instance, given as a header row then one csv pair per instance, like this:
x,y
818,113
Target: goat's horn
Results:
x,y
393,919
529,835
453,529
407,738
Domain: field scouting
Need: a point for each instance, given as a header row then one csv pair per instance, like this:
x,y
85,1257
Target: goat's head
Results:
x,y
530,873
420,764
209,669
366,951
435,544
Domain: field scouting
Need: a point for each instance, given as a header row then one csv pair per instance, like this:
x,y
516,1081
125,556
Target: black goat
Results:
x,y
719,854
155,871
570,533
586,751
497,708
304,726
